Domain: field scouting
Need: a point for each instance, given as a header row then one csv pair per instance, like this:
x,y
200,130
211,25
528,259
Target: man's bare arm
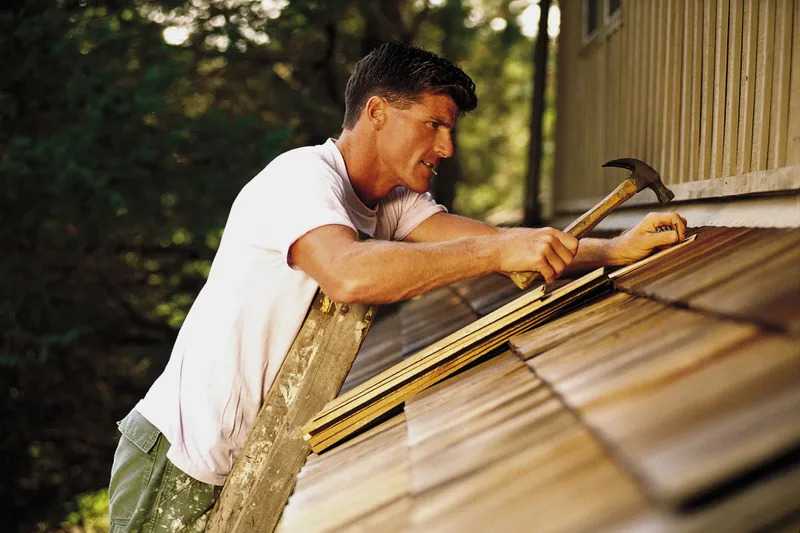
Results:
x,y
638,242
349,270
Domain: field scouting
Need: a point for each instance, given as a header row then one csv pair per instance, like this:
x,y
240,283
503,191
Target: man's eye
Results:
x,y
433,124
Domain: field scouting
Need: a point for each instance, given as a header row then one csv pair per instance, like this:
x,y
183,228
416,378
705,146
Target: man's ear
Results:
x,y
376,109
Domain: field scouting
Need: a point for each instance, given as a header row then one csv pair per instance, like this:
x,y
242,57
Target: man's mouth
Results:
x,y
431,167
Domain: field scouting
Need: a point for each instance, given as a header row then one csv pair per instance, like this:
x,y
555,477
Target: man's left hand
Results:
x,y
656,231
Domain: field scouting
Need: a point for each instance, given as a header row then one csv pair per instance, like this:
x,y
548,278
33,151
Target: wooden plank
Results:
x,y
363,479
559,463
498,401
761,117
707,97
381,349
768,292
311,374
596,126
720,84
677,415
655,109
426,320
779,114
429,365
672,129
709,240
548,336
732,103
746,107
661,349
722,265
696,76
764,506
683,141
472,331
488,293
571,358
793,148
631,57
643,77
658,256
612,108
589,367
331,427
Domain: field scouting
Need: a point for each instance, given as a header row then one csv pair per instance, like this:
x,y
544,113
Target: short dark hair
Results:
x,y
402,73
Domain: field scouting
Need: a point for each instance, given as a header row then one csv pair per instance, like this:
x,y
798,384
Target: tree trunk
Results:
x,y
532,208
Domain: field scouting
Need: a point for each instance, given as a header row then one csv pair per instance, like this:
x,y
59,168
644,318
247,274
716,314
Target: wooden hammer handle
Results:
x,y
584,224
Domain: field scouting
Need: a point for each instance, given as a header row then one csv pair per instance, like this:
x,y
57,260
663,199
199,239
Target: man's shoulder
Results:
x,y
298,172
305,157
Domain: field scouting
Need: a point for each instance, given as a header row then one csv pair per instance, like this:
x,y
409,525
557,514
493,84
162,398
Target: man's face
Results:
x,y
414,140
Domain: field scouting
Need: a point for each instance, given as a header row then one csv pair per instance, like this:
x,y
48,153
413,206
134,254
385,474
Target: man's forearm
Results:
x,y
382,271
593,253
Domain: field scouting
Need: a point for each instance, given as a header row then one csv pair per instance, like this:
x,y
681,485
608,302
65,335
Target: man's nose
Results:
x,y
444,143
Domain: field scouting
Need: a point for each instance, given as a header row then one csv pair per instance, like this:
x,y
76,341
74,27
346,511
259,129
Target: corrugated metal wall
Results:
x,y
699,89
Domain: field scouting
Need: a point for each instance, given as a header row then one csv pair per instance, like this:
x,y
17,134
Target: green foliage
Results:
x,y
91,514
120,155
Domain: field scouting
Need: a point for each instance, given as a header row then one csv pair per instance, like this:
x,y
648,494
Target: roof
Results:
x,y
672,403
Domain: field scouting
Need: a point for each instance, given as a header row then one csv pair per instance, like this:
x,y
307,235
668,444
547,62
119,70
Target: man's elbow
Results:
x,y
346,290
352,289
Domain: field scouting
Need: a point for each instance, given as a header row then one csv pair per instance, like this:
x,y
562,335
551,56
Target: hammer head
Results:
x,y
644,176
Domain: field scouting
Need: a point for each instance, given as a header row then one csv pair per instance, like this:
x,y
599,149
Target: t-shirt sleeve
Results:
x,y
404,210
287,202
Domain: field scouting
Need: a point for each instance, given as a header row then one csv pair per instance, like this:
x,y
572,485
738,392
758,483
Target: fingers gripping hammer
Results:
x,y
642,176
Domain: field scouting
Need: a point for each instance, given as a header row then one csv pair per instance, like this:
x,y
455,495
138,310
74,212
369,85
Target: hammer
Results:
x,y
642,176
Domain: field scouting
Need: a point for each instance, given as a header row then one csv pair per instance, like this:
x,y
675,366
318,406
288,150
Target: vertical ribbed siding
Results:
x,y
699,90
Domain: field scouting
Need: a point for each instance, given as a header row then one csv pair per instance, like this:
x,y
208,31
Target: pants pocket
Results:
x,y
132,469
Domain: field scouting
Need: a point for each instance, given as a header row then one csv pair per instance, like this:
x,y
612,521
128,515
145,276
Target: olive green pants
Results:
x,y
147,492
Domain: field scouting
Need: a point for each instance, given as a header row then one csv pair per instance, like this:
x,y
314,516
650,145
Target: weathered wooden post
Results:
x,y
311,375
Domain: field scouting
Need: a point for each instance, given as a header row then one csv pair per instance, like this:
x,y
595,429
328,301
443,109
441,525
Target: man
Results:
x,y
296,227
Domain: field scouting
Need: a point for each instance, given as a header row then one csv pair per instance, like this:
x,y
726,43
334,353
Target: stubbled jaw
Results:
x,y
430,166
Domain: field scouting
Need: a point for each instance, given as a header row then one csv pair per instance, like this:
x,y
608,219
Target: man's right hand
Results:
x,y
547,251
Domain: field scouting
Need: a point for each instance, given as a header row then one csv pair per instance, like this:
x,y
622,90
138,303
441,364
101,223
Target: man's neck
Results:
x,y
363,167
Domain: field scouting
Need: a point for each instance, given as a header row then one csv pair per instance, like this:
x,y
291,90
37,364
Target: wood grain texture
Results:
x,y
760,264
642,80
552,334
657,97
683,142
381,348
508,459
733,89
779,114
591,345
709,242
486,294
361,485
674,406
720,84
768,292
707,97
793,136
747,97
331,428
761,118
311,374
362,404
674,83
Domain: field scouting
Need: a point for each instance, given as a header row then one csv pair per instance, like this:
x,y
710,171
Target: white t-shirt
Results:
x,y
242,323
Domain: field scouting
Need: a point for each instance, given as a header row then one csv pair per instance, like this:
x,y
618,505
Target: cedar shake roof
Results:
x,y
670,403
